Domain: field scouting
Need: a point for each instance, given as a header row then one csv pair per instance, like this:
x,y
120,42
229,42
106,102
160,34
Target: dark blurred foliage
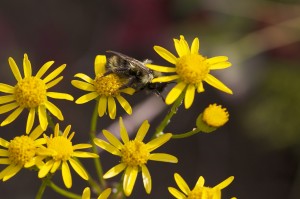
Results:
x,y
260,144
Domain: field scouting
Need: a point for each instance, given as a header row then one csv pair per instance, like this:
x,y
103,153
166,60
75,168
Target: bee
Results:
x,y
138,76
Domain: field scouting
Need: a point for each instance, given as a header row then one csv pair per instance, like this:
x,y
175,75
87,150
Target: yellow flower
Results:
x,y
20,153
60,151
191,69
213,117
134,155
86,194
31,92
199,191
104,89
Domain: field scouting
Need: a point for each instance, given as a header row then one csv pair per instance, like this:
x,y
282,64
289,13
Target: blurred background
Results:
x,y
260,145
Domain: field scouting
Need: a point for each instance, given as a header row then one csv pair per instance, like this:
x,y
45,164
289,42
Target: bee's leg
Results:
x,y
129,83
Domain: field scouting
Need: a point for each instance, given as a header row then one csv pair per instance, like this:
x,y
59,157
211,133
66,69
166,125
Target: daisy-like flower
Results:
x,y
20,152
199,191
191,69
60,151
103,88
86,194
134,155
213,117
31,92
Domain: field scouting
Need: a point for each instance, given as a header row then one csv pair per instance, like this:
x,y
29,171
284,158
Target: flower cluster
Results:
x,y
54,152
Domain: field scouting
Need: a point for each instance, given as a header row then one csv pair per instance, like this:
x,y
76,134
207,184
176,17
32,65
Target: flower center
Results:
x,y
214,115
62,146
135,153
30,92
108,85
192,68
204,193
21,150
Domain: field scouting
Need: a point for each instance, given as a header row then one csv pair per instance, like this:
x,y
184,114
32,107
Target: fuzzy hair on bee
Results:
x,y
136,73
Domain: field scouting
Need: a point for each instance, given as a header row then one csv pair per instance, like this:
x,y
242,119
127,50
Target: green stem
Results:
x,y
93,129
170,114
42,188
185,135
63,192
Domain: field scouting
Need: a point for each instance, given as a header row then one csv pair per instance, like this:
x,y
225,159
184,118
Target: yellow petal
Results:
x,y
54,82
163,157
55,166
129,179
225,183
57,95
79,169
54,74
123,131
4,153
200,182
146,179
105,194
4,143
44,69
45,169
6,88
181,184
27,66
37,132
7,98
84,77
114,171
195,46
107,147
164,53
43,117
124,103
86,194
161,68
8,107
102,106
165,78
54,110
12,116
81,146
112,139
157,142
128,91
189,96
217,84
83,85
86,98
66,174
177,194
220,65
4,160
30,120
100,62
142,131
84,154
112,108
11,172
175,92
200,87
14,68
217,59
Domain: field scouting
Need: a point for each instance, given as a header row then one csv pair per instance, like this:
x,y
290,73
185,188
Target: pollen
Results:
x,y
135,153
204,192
214,115
192,68
61,146
21,150
108,85
30,92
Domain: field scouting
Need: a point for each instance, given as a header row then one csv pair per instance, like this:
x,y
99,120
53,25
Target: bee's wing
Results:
x,y
132,61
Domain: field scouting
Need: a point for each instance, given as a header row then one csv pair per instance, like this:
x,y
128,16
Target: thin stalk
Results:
x,y
64,192
42,188
97,161
185,135
170,114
